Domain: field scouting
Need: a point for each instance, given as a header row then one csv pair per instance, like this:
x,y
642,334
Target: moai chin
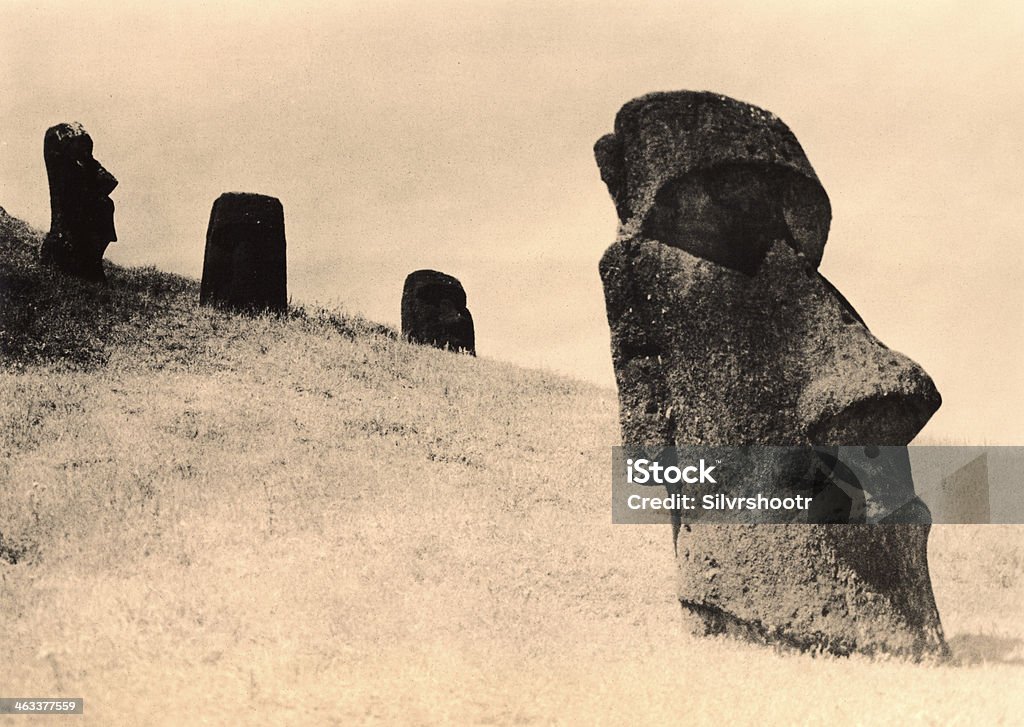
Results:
x,y
434,312
245,266
724,333
81,211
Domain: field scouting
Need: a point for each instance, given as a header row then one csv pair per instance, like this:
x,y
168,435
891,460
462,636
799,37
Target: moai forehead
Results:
x,y
246,208
67,132
661,138
432,287
68,143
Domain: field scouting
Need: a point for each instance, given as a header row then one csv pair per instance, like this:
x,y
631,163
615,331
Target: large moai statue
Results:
x,y
81,211
245,266
434,312
724,333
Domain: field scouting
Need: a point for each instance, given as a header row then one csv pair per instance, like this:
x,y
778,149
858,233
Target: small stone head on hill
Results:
x,y
724,333
81,211
245,265
434,312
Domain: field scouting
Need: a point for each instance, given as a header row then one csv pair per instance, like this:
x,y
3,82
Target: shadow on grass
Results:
x,y
50,318
14,553
972,649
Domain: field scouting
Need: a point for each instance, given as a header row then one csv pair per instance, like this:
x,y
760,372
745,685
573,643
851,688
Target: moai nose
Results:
x,y
866,394
105,181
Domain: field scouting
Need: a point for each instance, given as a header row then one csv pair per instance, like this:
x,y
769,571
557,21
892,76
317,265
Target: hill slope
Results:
x,y
306,520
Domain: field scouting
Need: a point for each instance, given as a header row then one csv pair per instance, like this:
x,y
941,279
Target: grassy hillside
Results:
x,y
213,519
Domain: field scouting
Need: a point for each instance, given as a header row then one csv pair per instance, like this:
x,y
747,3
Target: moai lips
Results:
x,y
245,266
434,312
81,211
724,333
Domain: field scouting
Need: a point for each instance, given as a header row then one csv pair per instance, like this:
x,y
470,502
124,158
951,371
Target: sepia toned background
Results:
x,y
458,137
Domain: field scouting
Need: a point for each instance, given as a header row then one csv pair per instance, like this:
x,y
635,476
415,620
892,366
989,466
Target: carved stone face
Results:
x,y
730,215
784,358
81,211
724,333
718,263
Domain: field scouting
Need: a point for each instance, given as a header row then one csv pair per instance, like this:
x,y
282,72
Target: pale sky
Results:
x,y
458,136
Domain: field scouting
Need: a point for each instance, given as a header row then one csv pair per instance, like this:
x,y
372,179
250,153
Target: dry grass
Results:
x,y
302,520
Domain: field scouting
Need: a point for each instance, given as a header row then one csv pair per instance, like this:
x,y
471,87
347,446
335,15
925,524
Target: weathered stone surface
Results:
x,y
245,266
434,312
81,211
724,333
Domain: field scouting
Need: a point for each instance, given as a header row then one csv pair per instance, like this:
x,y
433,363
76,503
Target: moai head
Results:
x,y
724,333
434,312
245,265
81,211
719,195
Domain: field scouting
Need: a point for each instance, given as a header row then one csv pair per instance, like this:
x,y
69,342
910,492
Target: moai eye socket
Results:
x,y
730,215
746,188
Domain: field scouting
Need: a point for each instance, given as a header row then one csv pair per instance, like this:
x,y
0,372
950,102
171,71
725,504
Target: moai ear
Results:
x,y
608,153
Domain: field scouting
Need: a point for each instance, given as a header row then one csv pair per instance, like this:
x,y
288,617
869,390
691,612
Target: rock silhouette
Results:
x,y
245,264
434,312
81,211
724,333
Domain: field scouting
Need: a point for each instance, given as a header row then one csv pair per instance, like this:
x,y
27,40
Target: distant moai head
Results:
x,y
724,333
245,266
434,312
81,211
